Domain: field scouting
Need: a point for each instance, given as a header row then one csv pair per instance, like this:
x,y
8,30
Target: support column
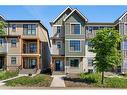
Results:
x,y
38,62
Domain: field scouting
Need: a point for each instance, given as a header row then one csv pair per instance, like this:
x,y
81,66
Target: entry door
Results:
x,y
1,62
57,65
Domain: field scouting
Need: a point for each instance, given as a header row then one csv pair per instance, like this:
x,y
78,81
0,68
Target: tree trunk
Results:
x,y
102,80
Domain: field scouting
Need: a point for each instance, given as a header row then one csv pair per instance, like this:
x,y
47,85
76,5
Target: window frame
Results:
x,y
28,29
70,59
13,30
13,59
2,40
74,50
71,28
60,44
60,28
12,44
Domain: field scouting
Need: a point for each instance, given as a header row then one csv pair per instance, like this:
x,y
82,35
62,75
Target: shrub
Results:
x,y
7,74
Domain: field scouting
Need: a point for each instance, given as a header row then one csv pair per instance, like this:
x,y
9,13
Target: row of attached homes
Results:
x,y
27,45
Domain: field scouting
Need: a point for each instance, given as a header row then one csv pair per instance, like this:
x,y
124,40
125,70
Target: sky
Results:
x,y
48,13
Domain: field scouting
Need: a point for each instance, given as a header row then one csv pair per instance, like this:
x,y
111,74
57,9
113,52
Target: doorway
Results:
x,y
58,65
1,62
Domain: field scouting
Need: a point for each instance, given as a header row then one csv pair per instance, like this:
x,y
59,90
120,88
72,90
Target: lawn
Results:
x,y
94,81
28,81
7,74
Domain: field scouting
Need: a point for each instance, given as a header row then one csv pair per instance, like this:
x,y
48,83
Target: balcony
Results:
x,y
3,49
56,51
30,47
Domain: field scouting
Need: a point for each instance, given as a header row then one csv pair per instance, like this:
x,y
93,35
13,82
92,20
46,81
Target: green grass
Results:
x,y
36,81
95,80
7,74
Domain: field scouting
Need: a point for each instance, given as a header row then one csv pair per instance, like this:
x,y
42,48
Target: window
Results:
x,y
90,62
58,44
75,28
95,28
13,60
125,45
90,29
90,46
125,28
58,29
74,45
29,29
1,41
90,70
74,62
33,48
13,27
13,42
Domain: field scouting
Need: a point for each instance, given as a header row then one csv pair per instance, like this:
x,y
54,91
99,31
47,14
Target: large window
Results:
x,y
58,29
13,60
74,62
125,45
1,41
75,28
33,47
13,42
74,45
29,29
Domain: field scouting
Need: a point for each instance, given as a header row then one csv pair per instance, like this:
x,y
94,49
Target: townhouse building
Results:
x,y
70,41
25,46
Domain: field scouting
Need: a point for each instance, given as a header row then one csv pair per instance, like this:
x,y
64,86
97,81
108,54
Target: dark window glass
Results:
x,y
74,45
75,28
13,42
58,29
29,29
13,60
74,63
13,27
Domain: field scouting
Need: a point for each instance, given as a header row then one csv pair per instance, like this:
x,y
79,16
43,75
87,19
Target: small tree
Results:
x,y
2,28
105,45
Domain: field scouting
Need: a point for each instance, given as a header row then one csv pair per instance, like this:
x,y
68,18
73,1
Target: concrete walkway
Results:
x,y
58,81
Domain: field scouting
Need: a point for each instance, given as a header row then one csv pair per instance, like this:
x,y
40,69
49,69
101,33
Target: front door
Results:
x,y
1,62
59,65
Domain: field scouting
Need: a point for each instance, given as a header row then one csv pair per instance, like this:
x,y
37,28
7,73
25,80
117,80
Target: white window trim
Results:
x,y
60,43
125,28
123,45
75,23
69,46
2,42
73,59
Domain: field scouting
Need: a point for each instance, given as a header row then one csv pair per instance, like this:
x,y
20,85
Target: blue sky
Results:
x,y
48,13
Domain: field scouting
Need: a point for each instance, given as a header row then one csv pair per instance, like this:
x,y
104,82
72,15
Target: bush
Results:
x,y
7,74
91,78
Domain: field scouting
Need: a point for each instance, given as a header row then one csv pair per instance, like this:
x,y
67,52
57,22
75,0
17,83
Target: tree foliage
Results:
x,y
105,45
2,28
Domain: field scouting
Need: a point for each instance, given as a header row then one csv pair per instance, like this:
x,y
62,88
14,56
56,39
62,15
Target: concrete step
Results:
x,y
58,73
28,71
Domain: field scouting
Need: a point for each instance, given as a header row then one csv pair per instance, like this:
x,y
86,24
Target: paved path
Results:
x,y
58,81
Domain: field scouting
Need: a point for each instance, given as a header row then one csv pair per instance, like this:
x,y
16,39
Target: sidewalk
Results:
x,y
58,81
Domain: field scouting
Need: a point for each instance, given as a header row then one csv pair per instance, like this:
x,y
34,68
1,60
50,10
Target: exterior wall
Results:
x,y
11,66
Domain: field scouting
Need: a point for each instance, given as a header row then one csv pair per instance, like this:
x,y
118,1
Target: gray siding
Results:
x,y
68,53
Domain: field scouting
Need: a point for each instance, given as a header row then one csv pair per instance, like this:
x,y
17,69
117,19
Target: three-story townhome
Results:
x,y
25,46
70,41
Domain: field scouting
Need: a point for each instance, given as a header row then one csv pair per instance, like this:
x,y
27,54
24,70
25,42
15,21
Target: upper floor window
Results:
x,y
58,29
125,29
75,45
75,28
125,45
90,46
13,60
13,42
58,44
13,27
29,29
1,41
90,62
33,48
